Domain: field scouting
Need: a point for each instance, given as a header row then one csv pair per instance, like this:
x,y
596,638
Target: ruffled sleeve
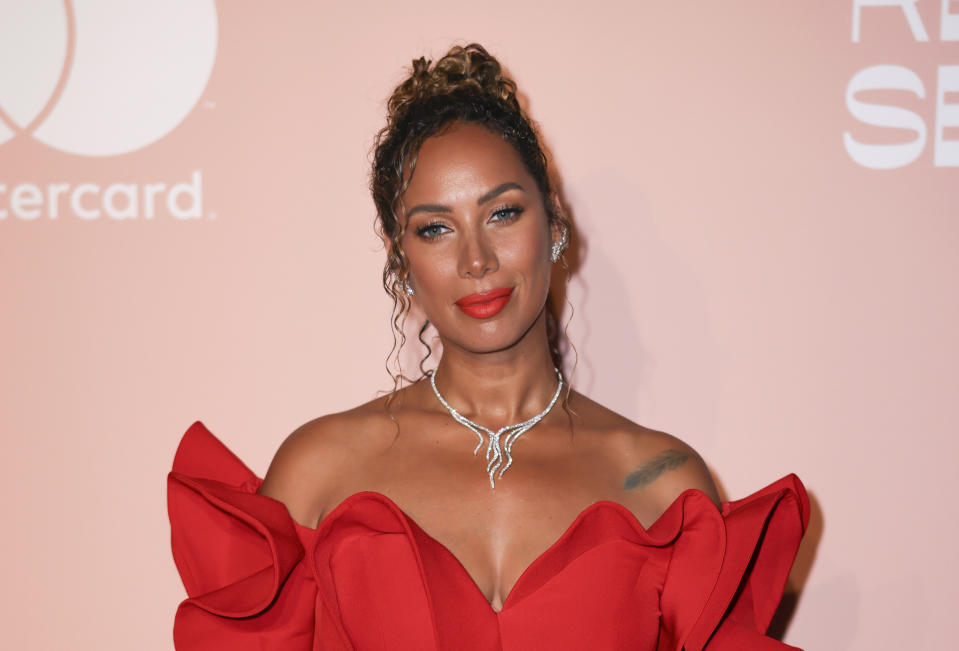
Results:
x,y
747,564
238,554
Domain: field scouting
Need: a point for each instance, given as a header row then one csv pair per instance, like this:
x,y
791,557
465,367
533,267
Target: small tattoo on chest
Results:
x,y
649,471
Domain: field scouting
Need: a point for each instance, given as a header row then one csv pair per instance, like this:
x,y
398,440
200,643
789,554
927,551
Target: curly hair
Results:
x,y
466,85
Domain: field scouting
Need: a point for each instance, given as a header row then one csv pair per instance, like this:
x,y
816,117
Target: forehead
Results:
x,y
465,161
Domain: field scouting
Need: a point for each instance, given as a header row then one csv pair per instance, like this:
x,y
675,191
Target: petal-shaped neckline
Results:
x,y
658,534
676,580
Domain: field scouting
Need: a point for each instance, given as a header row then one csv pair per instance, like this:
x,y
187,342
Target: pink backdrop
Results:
x,y
766,203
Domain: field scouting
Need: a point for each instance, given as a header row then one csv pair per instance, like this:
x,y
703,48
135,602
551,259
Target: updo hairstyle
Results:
x,y
466,85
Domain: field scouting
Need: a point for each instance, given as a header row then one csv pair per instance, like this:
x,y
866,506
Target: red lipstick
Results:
x,y
485,304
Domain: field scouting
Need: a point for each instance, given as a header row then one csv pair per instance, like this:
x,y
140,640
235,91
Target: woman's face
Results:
x,y
477,239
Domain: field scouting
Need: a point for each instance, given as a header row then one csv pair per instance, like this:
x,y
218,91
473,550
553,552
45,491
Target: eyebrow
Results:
x,y
498,190
489,196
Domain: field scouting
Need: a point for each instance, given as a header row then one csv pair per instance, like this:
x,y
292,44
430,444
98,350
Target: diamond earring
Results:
x,y
558,247
408,288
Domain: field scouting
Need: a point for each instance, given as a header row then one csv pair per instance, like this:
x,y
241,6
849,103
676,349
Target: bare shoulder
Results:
x,y
312,460
663,467
655,466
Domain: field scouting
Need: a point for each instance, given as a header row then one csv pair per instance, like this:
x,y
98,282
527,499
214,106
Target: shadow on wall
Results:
x,y
645,344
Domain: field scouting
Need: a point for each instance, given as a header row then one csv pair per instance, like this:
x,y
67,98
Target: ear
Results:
x,y
553,225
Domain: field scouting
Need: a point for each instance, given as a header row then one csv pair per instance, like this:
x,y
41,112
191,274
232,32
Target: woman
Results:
x,y
376,528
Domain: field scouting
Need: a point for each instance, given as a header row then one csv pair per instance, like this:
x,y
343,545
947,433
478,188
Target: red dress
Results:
x,y
369,578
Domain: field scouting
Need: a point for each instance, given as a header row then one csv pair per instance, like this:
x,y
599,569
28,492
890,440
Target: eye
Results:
x,y
506,214
431,230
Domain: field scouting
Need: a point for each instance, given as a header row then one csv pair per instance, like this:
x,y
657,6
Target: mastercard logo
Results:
x,y
102,77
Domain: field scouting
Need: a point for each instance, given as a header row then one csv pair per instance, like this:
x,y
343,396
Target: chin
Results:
x,y
495,335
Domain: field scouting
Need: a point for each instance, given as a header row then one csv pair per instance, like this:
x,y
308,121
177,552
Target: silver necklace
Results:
x,y
495,452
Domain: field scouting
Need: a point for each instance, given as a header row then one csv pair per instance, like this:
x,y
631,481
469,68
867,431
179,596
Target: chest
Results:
x,y
388,580
495,535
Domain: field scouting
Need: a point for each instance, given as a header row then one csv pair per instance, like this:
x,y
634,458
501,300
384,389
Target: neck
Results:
x,y
502,387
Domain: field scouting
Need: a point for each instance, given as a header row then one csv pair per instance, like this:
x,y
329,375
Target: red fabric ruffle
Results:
x,y
370,578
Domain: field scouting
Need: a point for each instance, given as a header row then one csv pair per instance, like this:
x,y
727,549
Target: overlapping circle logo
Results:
x,y
102,77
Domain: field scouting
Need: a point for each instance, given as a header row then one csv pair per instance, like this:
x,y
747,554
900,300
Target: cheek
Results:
x,y
432,267
435,273
528,252
523,256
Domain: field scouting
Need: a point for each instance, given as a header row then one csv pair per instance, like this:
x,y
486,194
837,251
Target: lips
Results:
x,y
485,304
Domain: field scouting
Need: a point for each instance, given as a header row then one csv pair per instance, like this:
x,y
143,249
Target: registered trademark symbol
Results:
x,y
209,104
211,215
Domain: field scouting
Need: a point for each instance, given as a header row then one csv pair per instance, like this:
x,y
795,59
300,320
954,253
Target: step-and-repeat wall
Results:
x,y
766,200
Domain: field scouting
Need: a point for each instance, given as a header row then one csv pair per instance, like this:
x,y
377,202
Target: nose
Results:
x,y
477,256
